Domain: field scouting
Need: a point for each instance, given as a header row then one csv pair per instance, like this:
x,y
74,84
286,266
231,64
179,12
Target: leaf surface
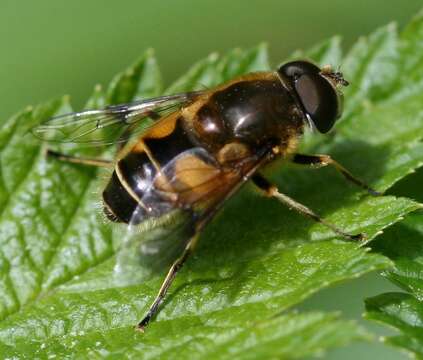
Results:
x,y
59,294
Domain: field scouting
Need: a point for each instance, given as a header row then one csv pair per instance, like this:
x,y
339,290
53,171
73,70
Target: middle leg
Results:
x,y
325,160
271,190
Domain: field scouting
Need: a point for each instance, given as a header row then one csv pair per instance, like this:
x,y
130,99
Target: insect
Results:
x,y
202,146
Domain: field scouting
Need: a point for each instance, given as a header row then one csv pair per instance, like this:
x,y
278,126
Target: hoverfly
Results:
x,y
203,146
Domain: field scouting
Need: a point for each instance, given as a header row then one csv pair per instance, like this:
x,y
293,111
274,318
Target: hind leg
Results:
x,y
78,160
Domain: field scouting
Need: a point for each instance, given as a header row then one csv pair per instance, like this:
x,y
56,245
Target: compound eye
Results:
x,y
295,69
319,99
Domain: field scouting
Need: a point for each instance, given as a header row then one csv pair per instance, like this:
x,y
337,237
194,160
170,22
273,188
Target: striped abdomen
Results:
x,y
130,195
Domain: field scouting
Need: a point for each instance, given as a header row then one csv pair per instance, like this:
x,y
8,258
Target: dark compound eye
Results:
x,y
320,100
295,69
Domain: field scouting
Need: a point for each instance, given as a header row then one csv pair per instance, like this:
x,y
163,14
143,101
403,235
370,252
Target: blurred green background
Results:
x,y
50,48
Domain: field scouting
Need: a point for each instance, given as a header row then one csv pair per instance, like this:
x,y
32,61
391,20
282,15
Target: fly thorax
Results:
x,y
250,112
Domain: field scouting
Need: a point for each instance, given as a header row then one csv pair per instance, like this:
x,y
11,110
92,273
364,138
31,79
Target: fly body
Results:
x,y
200,147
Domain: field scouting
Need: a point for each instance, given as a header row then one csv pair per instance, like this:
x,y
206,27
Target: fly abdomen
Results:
x,y
119,205
131,195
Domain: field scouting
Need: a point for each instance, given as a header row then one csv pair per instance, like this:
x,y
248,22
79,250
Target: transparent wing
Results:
x,y
152,246
113,124
200,185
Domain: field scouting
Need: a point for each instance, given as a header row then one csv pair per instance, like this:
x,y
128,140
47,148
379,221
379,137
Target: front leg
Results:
x,y
324,160
272,191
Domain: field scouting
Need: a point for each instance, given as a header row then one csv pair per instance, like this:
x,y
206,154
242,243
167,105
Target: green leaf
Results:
x,y
215,336
60,295
404,311
403,244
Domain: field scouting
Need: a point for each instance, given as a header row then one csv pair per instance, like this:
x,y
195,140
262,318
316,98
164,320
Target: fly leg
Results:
x,y
200,223
324,160
272,191
78,160
176,266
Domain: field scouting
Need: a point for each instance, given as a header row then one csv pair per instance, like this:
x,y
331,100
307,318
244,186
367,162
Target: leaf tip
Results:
x,y
418,17
392,26
150,52
263,46
66,98
213,56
